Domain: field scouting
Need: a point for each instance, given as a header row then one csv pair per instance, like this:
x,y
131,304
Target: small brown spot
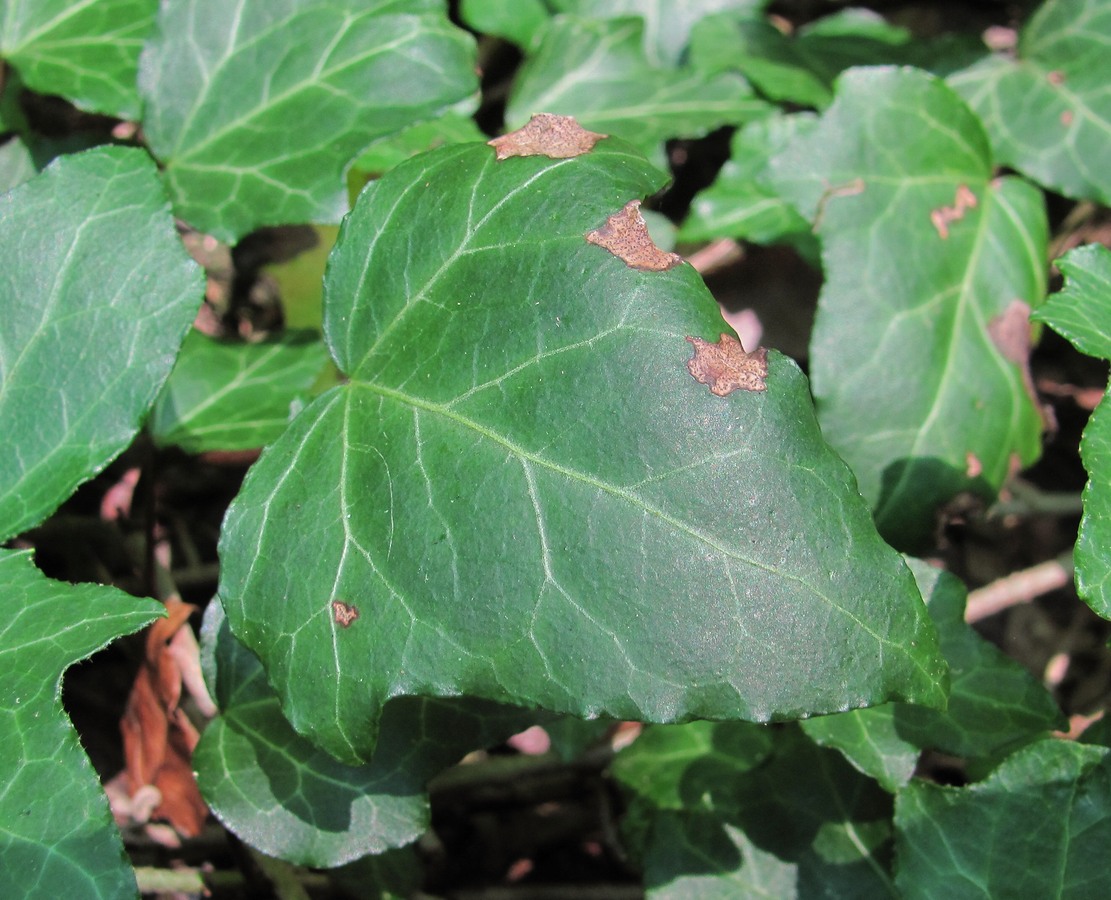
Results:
x,y
726,367
557,137
973,468
963,200
625,235
1056,77
1066,117
344,613
1010,332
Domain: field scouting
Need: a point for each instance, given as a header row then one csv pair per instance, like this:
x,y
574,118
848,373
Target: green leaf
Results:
x,y
667,24
995,705
289,799
799,823
1039,826
524,495
235,396
801,68
97,293
387,152
257,109
741,203
1047,107
692,766
16,164
88,52
920,346
597,72
61,841
1082,313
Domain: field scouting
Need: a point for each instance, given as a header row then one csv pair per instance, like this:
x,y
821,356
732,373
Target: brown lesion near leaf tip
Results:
x,y
557,137
726,366
625,235
963,201
344,613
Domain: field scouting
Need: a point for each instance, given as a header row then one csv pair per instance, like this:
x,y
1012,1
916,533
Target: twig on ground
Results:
x,y
1019,587
716,255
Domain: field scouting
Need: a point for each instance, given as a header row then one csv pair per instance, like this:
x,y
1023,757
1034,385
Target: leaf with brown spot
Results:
x,y
726,366
344,613
626,236
557,137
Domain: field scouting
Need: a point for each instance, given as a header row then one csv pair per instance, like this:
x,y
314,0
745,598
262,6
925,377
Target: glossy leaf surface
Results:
x,y
523,494
235,396
291,800
1037,827
88,52
256,109
59,842
920,345
596,71
1047,106
97,294
1082,313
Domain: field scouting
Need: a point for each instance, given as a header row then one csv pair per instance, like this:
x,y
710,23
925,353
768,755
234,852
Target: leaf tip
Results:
x,y
557,137
726,366
626,236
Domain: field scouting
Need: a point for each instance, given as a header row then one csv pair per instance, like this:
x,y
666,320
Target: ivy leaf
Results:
x,y
17,165
86,52
667,25
289,799
98,294
921,342
222,82
62,841
1082,314
801,822
1037,827
596,71
523,494
450,128
1047,108
741,203
995,705
225,396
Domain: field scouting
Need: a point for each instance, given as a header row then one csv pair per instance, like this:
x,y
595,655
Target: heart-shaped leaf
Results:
x,y
97,294
1046,106
86,52
920,346
59,842
523,494
1082,313
224,82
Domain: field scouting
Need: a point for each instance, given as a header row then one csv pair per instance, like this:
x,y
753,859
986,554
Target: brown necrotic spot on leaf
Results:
x,y
558,137
625,235
726,367
1010,332
940,218
344,613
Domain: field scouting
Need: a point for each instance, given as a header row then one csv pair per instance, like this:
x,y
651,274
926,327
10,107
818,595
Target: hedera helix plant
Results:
x,y
549,482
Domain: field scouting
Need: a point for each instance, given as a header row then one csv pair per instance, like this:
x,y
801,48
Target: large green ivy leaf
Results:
x,y
523,494
995,705
596,71
235,396
919,350
291,800
1039,826
97,294
86,51
1082,313
256,109
800,823
1047,107
58,838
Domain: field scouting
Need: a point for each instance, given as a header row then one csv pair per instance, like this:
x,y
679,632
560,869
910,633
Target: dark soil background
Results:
x,y
539,827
